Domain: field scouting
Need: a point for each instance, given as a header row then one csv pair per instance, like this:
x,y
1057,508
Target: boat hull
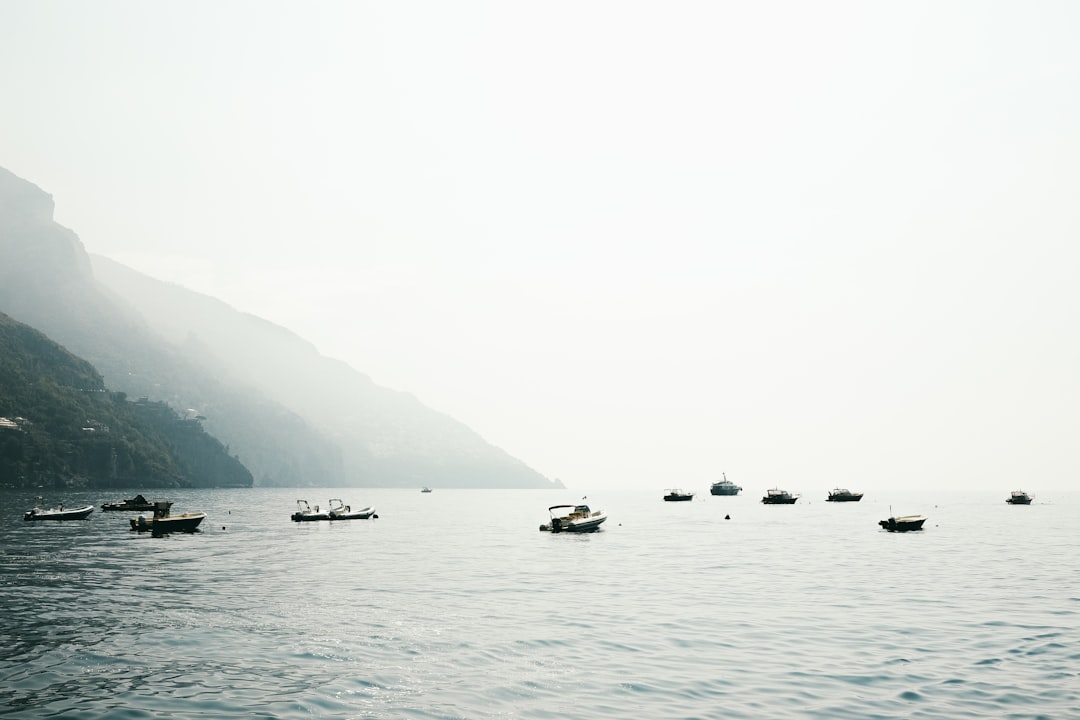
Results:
x,y
724,488
1014,501
579,526
368,512
310,517
186,523
854,497
678,498
74,514
907,523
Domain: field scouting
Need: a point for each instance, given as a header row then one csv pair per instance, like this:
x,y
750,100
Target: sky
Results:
x,y
634,244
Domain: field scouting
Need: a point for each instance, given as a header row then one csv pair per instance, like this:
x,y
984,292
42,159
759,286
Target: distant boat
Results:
x,y
779,497
163,523
1019,497
425,489
579,519
137,503
677,495
843,495
57,513
724,487
903,523
341,511
304,513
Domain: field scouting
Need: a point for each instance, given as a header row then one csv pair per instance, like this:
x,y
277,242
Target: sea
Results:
x,y
452,604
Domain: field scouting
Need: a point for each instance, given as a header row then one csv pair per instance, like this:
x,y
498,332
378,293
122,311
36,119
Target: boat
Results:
x,y
1019,497
724,487
843,495
573,519
57,513
304,513
779,497
137,503
162,522
425,489
677,495
903,523
341,511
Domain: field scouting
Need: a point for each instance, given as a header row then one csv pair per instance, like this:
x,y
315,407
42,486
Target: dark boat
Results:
x,y
162,522
137,503
843,495
341,511
724,487
304,513
58,513
1019,497
779,497
676,495
903,523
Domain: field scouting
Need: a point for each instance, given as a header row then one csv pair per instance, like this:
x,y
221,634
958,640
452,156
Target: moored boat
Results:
x,y
903,523
304,513
724,487
341,511
843,495
425,489
573,519
137,503
777,496
57,513
162,522
677,495
1019,497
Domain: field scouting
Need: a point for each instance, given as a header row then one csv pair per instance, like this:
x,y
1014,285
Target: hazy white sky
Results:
x,y
632,243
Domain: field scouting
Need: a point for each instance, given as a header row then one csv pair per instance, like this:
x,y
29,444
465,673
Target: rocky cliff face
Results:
x,y
32,244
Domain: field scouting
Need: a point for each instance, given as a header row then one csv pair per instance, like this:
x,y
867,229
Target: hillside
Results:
x,y
61,426
295,417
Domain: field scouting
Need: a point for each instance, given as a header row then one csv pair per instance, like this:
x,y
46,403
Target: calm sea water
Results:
x,y
453,605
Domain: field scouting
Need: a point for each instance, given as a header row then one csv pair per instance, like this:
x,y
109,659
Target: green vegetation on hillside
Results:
x,y
60,426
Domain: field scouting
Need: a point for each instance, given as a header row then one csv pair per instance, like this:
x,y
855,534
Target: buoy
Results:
x,y
727,517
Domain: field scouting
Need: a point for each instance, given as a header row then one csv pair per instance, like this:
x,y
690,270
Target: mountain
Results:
x,y
295,417
60,426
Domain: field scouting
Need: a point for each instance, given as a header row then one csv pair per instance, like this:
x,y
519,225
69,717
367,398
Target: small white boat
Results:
x,y
304,513
903,523
162,522
341,511
573,519
58,513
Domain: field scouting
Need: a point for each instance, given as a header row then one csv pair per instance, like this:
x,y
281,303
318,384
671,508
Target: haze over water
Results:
x,y
453,605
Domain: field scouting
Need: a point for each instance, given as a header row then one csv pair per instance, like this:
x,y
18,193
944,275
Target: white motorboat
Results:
x,y
58,513
573,519
341,511
304,513
162,522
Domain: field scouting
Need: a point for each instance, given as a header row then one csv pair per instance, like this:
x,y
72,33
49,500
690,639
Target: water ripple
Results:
x,y
672,612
